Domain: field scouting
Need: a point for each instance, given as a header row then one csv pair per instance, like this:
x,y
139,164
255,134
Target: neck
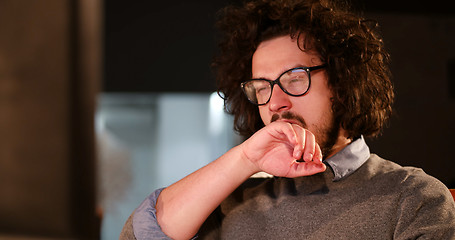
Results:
x,y
341,142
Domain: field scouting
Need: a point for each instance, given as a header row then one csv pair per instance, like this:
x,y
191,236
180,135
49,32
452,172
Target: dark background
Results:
x,y
56,56
147,42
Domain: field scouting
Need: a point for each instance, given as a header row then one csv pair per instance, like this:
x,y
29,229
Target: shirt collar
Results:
x,y
349,159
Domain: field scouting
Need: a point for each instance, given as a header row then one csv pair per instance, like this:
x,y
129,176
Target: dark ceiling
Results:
x,y
435,7
155,46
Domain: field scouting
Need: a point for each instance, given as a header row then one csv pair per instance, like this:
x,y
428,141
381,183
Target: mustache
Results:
x,y
289,116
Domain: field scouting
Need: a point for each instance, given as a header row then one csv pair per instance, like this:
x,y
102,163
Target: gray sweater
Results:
x,y
381,200
359,197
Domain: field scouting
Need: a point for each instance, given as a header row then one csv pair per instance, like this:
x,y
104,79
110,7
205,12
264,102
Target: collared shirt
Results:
x,y
343,164
349,159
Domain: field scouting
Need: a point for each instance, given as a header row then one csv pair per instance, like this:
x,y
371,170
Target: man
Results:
x,y
306,81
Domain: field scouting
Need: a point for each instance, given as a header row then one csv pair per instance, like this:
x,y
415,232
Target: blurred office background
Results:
x,y
104,101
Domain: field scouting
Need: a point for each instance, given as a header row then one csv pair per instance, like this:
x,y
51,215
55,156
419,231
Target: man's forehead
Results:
x,y
272,61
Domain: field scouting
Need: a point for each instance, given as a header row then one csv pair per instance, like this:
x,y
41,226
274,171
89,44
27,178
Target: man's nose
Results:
x,y
279,101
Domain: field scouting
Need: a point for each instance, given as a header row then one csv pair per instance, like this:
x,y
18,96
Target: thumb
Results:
x,y
300,169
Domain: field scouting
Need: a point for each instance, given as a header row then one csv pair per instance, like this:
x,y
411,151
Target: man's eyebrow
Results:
x,y
282,71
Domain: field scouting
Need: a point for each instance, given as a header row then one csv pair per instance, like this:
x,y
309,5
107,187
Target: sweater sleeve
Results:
x,y
426,210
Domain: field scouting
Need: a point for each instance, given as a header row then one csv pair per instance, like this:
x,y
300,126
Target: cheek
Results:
x,y
312,109
265,115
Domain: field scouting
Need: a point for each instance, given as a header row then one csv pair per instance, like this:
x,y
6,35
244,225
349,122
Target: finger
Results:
x,y
300,169
300,141
310,144
317,154
289,133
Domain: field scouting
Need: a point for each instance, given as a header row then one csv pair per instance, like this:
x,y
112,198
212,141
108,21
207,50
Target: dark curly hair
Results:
x,y
351,47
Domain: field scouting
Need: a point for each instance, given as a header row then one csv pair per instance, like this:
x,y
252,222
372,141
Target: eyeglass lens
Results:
x,y
294,82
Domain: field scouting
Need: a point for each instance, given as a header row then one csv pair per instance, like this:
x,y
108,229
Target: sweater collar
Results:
x,y
349,159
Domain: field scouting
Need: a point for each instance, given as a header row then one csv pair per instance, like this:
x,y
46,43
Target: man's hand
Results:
x,y
281,149
285,150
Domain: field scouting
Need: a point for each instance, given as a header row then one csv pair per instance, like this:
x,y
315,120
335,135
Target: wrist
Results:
x,y
245,163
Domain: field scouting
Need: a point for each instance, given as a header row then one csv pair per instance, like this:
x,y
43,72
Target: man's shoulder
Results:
x,y
380,166
127,232
404,177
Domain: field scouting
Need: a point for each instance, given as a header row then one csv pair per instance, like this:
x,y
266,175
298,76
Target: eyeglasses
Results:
x,y
294,82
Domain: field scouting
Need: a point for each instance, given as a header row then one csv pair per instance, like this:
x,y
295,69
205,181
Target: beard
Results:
x,y
326,133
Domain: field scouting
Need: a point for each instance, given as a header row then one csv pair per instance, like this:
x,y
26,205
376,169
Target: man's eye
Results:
x,y
261,90
296,81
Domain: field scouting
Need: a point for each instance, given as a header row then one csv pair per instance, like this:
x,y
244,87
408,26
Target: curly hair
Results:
x,y
350,46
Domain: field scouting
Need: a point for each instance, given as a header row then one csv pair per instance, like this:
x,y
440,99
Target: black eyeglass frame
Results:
x,y
277,82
